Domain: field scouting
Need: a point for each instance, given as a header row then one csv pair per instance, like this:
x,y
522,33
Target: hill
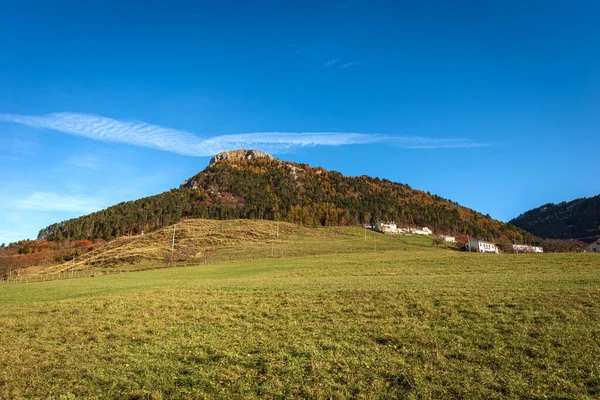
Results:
x,y
577,219
250,184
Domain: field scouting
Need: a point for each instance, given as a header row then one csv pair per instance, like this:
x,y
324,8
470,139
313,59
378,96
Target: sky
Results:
x,y
493,104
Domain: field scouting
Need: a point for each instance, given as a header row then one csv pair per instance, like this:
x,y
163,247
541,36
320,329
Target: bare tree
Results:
x,y
506,245
436,241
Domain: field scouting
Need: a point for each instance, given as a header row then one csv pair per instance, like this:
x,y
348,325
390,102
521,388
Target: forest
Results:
x,y
577,219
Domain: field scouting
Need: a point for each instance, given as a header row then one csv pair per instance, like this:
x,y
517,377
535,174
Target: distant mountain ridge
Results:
x,y
251,184
577,219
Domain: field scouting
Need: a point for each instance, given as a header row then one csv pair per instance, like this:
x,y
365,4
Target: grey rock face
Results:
x,y
229,155
240,155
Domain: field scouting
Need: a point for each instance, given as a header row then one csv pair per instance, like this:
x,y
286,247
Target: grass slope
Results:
x,y
208,241
420,323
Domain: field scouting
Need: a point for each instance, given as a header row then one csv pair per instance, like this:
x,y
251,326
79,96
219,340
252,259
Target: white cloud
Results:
x,y
185,143
331,62
112,130
349,64
281,141
418,142
44,201
87,161
9,235
26,147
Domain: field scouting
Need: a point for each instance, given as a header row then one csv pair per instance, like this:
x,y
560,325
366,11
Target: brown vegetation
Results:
x,y
563,245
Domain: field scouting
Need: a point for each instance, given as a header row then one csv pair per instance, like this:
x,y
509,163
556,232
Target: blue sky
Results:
x,y
493,104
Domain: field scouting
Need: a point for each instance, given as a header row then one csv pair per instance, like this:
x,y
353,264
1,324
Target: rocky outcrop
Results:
x,y
240,155
229,155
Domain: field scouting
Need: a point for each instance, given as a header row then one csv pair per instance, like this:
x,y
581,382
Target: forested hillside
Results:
x,y
267,188
577,219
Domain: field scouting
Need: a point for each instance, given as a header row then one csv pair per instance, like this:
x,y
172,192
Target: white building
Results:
x,y
386,227
448,239
482,247
423,231
391,227
594,247
523,248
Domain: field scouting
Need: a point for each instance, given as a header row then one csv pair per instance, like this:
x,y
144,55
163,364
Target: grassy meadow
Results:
x,y
343,321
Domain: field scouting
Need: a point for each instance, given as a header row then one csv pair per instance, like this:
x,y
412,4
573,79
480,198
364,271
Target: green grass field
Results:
x,y
415,323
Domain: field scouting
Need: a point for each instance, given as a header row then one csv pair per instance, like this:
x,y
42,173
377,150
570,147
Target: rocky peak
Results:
x,y
229,155
240,155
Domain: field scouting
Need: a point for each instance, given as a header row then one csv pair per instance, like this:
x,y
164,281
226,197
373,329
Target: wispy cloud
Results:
x,y
349,64
22,146
44,201
13,235
108,129
23,214
185,143
87,161
327,58
419,142
280,141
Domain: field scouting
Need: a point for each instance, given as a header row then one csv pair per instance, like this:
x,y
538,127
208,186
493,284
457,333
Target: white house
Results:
x,y
523,248
482,247
448,239
594,247
391,227
386,227
423,231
